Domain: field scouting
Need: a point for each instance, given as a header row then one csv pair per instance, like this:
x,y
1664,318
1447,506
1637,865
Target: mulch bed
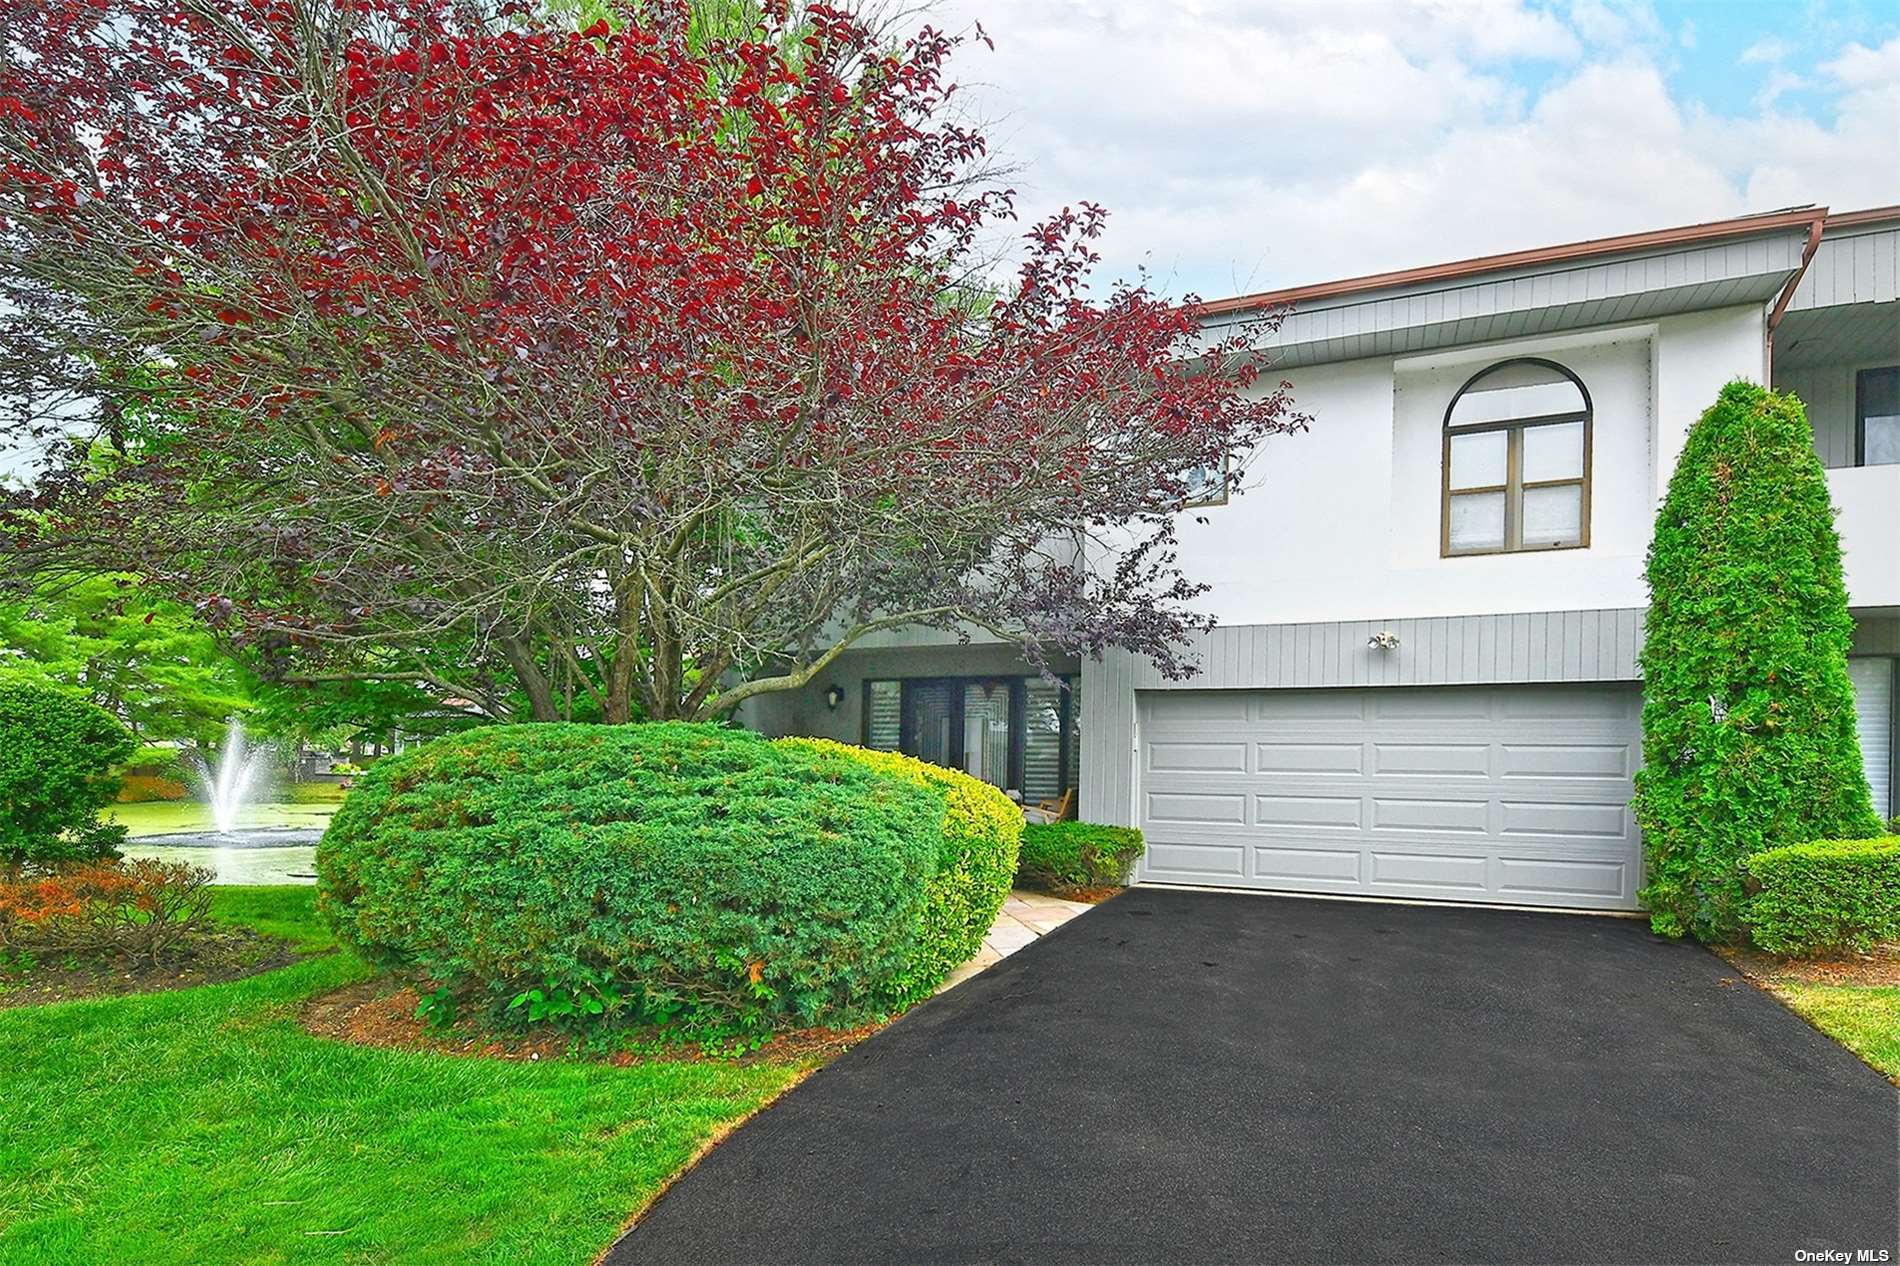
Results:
x,y
210,959
382,1013
1879,967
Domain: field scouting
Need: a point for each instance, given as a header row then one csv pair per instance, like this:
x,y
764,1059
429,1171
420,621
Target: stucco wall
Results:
x,y
1342,522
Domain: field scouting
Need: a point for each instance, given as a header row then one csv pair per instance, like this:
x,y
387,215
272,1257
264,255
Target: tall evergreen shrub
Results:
x,y
1748,714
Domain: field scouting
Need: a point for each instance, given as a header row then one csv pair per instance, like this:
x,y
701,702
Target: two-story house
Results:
x,y
1425,683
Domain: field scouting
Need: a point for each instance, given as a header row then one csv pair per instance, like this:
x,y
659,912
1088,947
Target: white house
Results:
x,y
1424,682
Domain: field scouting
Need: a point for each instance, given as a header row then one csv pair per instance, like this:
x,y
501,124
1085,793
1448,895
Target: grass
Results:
x,y
285,910
163,817
1863,1018
205,1126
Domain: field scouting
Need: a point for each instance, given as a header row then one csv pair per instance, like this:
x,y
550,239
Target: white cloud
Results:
x,y
1245,145
1768,50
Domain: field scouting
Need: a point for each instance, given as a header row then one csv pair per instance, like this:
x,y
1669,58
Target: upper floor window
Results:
x,y
1517,461
1206,485
1877,416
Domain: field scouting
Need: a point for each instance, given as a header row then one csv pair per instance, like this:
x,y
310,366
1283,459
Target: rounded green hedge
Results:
x,y
982,829
58,756
649,873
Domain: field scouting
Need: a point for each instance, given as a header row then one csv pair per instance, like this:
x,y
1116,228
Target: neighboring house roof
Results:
x,y
1635,276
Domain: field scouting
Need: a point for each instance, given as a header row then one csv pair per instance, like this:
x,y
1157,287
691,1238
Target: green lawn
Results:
x,y
1863,1018
204,1126
162,817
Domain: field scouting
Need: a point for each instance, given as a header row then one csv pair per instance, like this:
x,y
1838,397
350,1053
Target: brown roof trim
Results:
x,y
1872,215
1740,226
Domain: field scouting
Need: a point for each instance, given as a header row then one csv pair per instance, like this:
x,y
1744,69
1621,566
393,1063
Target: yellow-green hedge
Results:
x,y
982,830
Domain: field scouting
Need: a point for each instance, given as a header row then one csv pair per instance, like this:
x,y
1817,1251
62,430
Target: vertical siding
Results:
x,y
1433,651
1828,391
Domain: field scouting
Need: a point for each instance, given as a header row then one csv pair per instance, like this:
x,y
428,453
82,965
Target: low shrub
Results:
x,y
1074,856
139,910
982,828
1828,896
58,754
142,788
686,875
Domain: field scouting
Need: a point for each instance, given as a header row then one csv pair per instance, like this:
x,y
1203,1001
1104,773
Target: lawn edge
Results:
x,y
718,1135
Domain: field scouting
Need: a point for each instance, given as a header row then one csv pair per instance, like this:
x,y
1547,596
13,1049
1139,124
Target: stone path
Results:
x,y
1025,916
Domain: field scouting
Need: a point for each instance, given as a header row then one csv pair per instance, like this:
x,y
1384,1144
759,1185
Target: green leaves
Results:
x,y
587,876
1059,855
57,755
1748,715
1825,896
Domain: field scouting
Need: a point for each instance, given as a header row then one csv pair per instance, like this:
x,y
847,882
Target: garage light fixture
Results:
x,y
1383,640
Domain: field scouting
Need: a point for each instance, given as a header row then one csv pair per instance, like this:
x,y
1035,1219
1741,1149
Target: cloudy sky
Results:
x,y
1244,145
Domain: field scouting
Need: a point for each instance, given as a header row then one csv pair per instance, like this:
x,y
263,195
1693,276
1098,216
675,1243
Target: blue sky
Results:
x,y
1248,144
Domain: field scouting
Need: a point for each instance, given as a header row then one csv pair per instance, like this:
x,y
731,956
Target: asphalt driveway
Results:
x,y
1193,1077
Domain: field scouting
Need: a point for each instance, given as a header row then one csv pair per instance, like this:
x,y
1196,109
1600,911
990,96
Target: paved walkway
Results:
x,y
1025,917
1199,1077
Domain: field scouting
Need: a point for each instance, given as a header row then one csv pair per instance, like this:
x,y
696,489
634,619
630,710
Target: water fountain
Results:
x,y
239,853
226,787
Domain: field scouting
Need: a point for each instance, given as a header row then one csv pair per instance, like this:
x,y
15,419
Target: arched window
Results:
x,y
1517,461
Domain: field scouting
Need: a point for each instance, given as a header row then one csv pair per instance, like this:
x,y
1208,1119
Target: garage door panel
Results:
x,y
1600,821
1201,862
1309,758
1564,877
1309,811
1516,794
1198,757
1330,867
1465,872
1432,760
1469,817
1197,807
1556,760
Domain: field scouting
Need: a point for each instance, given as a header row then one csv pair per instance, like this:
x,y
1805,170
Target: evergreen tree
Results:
x,y
1748,719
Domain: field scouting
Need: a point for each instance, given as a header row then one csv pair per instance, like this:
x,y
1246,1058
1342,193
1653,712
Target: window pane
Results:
x,y
1477,461
1042,740
1553,516
1515,389
986,731
1477,520
1553,452
1883,440
1879,393
883,726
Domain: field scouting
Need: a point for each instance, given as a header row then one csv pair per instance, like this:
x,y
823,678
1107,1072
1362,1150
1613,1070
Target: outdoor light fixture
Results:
x,y
1383,641
834,695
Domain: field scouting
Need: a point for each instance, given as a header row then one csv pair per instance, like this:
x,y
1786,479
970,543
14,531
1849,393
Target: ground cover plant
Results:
x,y
205,1127
1748,713
670,873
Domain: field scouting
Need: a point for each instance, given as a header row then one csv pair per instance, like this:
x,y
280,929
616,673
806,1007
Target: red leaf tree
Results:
x,y
630,371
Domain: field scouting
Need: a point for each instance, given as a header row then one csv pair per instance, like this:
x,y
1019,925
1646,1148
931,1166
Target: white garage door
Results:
x,y
1516,794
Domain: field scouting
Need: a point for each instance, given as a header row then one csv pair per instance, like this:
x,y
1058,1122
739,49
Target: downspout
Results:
x,y
1815,228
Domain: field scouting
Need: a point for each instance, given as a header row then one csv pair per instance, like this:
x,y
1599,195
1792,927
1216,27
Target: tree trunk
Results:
x,y
535,682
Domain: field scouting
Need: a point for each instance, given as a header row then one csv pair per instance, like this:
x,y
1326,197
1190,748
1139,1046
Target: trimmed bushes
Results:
x,y
1828,896
977,861
1077,855
673,873
1748,714
58,754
